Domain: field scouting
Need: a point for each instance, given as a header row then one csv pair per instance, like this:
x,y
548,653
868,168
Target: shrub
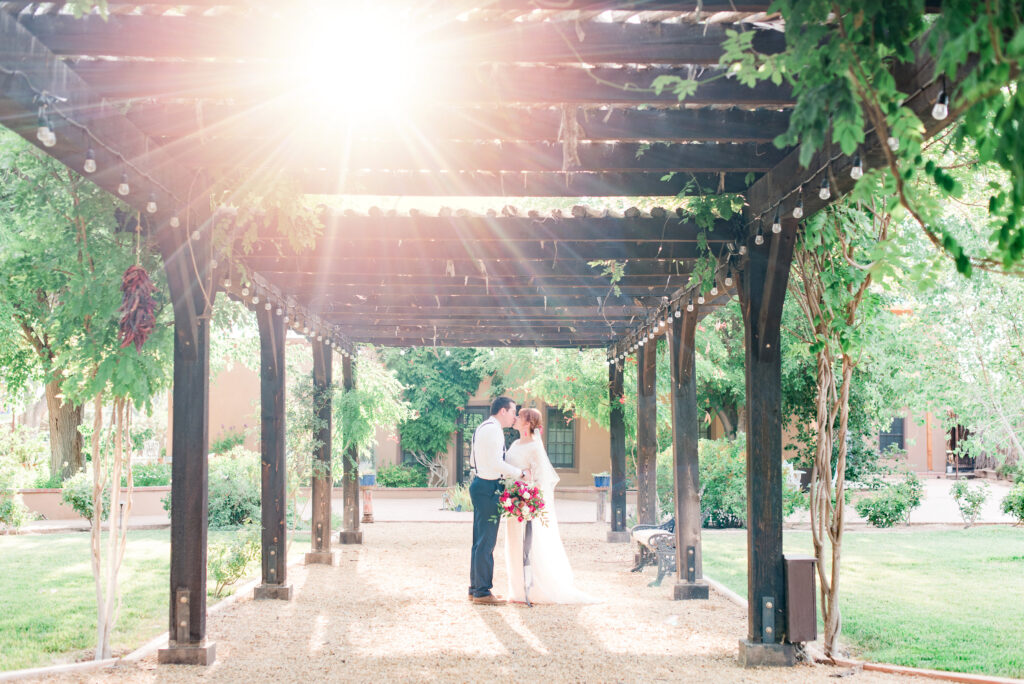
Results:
x,y
149,475
894,503
227,441
969,500
230,561
457,499
25,455
77,493
1008,471
723,482
1013,503
402,476
13,512
234,489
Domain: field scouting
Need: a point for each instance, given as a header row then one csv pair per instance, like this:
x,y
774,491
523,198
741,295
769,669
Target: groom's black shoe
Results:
x,y
488,600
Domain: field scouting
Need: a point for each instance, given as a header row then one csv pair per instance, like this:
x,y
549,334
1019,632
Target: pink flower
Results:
x,y
520,518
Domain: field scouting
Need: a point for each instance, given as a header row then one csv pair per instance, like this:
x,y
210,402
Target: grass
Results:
x,y
48,602
940,599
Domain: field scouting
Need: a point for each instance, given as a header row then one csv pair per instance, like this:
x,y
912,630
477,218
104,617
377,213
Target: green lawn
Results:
x,y
940,599
48,601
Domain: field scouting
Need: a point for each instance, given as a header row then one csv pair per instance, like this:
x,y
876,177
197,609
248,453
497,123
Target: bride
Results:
x,y
552,580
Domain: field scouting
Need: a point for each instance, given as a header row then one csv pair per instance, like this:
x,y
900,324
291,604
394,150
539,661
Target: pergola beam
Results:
x,y
251,125
501,84
415,155
263,37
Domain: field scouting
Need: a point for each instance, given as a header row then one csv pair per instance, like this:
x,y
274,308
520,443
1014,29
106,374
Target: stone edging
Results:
x,y
876,667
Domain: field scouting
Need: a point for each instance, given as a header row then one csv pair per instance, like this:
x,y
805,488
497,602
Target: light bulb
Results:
x,y
287,319
492,352
278,311
893,142
196,235
857,170
678,314
227,283
245,291
447,352
267,306
728,279
662,323
151,203
759,239
689,305
319,338
43,130
213,263
255,299
643,340
777,223
175,222
651,334
123,188
714,290
700,298
825,192
941,109
798,210
305,330
90,161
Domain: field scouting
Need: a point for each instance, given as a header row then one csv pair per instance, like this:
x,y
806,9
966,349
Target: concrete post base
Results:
x,y
367,518
281,592
618,537
350,537
322,557
687,591
766,655
203,653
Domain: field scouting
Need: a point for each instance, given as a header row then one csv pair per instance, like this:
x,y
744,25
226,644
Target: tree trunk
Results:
x,y
65,439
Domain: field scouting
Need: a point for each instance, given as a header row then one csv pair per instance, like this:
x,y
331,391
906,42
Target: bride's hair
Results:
x,y
532,418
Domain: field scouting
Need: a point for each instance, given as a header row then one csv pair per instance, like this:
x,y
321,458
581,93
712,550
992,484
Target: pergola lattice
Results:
x,y
172,98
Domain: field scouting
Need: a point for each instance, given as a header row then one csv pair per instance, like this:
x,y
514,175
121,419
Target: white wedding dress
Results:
x,y
552,580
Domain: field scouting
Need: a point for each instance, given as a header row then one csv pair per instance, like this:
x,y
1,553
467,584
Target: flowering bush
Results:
x,y
523,502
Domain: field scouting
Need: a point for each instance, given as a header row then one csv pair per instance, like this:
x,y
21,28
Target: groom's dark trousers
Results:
x,y
484,495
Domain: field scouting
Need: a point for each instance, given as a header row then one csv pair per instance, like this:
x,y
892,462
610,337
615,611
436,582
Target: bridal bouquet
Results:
x,y
523,502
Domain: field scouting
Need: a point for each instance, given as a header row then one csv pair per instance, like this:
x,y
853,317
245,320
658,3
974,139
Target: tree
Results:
x,y
437,383
62,263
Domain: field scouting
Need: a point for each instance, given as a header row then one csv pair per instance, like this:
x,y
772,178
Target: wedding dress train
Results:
x,y
552,578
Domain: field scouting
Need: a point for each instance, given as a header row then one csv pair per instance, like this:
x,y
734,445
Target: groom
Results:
x,y
487,459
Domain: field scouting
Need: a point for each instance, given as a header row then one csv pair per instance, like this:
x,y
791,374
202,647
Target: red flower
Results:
x,y
520,518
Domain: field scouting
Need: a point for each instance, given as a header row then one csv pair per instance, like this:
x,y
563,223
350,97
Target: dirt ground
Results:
x,y
395,608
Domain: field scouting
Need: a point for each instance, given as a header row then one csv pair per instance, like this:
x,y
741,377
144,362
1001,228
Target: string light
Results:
x,y
447,352
662,323
267,306
196,236
825,192
245,291
279,311
255,299
758,237
689,305
123,188
175,222
857,170
798,210
650,333
941,109
777,222
678,313
728,278
700,297
714,290
151,203
90,161
227,283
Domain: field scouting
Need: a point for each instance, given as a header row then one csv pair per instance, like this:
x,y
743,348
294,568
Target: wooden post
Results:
x,y
647,434
321,522
273,468
762,294
351,534
685,462
190,436
617,432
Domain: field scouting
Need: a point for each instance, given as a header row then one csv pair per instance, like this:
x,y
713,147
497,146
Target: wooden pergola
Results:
x,y
172,99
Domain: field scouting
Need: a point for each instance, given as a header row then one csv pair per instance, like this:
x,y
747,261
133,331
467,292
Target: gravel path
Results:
x,y
395,608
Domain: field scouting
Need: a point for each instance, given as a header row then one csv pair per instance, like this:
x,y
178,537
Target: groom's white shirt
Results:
x,y
489,452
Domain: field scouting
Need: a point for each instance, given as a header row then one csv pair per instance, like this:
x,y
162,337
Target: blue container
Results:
x,y
602,480
368,480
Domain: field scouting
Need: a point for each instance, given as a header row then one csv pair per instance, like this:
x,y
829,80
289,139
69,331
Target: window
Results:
x,y
561,438
891,438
